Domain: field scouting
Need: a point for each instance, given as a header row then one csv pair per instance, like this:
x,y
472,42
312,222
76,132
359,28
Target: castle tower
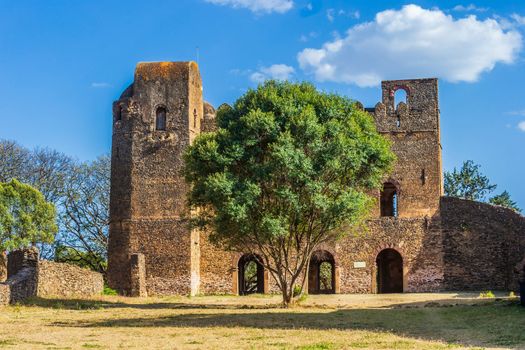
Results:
x,y
416,184
154,121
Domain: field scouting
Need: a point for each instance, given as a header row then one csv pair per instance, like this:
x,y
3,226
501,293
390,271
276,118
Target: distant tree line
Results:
x,y
469,183
79,192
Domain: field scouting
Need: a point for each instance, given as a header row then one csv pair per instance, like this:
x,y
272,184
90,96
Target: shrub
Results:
x,y
109,291
487,294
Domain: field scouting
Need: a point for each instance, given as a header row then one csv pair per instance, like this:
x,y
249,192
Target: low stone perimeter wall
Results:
x,y
65,280
30,277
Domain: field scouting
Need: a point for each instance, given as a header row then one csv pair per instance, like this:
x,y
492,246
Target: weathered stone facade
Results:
x,y
3,266
30,277
417,240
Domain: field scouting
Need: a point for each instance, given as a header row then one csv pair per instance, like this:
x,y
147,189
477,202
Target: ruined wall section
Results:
x,y
155,222
482,245
413,128
418,240
30,277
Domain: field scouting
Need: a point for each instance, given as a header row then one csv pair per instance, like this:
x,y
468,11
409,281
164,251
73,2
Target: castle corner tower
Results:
x,y
151,247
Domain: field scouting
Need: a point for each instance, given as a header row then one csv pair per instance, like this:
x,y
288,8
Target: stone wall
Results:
x,y
417,240
482,245
30,277
3,267
66,280
413,129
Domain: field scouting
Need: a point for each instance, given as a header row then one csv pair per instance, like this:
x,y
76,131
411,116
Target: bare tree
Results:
x,y
85,215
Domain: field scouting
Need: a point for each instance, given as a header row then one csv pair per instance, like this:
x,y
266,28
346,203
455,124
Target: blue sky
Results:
x,y
62,63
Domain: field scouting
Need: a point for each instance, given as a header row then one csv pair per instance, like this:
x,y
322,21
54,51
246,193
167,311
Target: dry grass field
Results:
x,y
404,321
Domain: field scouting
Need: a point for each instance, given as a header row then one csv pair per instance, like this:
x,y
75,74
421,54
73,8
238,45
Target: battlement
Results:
x,y
164,70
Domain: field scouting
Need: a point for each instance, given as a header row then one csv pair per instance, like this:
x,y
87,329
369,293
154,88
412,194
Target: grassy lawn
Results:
x,y
408,321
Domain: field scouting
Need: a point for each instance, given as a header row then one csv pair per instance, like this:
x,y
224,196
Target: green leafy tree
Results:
x,y
288,169
26,218
468,182
504,200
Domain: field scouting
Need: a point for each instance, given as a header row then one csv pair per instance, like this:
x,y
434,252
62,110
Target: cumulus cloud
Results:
x,y
413,42
257,6
521,125
276,71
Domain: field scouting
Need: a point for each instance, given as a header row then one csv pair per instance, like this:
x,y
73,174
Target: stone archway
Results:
x,y
250,275
389,265
321,273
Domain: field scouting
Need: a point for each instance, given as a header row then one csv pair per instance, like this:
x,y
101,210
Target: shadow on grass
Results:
x,y
87,304
495,325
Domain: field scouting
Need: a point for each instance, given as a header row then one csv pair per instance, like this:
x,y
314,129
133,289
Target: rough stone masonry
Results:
x,y
417,240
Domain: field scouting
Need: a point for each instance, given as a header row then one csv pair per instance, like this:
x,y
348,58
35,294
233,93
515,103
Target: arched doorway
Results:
x,y
251,275
321,274
389,271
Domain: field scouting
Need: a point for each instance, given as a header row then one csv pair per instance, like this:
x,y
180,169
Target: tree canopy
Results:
x,y
469,183
287,169
80,193
504,200
26,218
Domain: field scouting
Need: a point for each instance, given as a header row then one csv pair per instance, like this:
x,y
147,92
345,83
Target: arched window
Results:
x,y
400,95
389,197
160,121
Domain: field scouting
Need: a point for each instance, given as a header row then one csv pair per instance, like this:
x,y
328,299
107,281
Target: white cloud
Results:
x,y
101,85
276,71
257,6
519,20
521,125
413,42
470,7
330,14
520,113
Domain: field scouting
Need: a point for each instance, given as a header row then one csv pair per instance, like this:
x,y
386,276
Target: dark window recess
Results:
x,y
160,121
118,115
423,177
389,200
398,121
195,118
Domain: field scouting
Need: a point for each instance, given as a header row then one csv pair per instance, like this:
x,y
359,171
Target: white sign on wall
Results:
x,y
359,264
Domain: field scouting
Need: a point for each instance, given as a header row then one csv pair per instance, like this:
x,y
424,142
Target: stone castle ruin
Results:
x,y
417,240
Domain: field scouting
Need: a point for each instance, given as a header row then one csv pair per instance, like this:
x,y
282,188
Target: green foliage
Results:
x,y
26,218
325,275
86,259
289,166
297,289
486,294
468,182
504,200
109,291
